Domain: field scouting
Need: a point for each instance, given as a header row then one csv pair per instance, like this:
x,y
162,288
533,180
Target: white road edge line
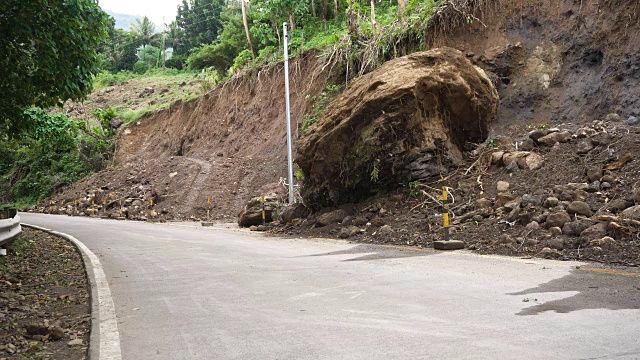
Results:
x,y
109,346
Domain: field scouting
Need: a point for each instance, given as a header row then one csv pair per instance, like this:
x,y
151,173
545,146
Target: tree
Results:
x,y
246,28
145,31
48,54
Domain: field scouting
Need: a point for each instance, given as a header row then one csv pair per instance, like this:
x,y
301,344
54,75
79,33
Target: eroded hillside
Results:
x,y
551,61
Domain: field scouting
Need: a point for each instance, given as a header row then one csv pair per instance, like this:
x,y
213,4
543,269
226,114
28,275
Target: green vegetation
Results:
x,y
318,104
48,55
52,153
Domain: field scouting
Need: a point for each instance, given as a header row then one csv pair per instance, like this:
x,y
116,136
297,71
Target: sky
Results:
x,y
153,9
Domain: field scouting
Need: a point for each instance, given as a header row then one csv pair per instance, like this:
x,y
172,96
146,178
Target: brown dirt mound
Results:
x,y
409,119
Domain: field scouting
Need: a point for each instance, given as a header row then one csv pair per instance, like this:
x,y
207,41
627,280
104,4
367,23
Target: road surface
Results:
x,y
185,292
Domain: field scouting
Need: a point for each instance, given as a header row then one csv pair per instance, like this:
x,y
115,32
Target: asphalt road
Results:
x,y
185,292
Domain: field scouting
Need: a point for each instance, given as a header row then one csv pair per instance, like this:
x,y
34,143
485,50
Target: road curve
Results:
x,y
184,292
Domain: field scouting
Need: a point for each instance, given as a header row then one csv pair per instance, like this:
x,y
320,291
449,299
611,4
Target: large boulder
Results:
x,y
251,214
408,120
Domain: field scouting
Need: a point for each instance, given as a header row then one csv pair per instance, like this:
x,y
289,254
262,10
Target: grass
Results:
x,y
105,78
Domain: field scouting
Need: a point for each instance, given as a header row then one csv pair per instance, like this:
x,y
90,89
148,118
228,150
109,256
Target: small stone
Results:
x,y
549,253
636,196
75,342
360,221
36,330
532,227
57,333
605,185
331,217
347,220
484,206
575,228
553,138
550,202
528,145
596,231
632,121
594,173
606,242
478,218
580,208
608,178
613,117
555,243
555,231
532,161
557,219
385,230
511,168
528,199
496,157
584,146
593,187
618,205
537,134
585,132
632,213
530,242
348,232
503,186
378,222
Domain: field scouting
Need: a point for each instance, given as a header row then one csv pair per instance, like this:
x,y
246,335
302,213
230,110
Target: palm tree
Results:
x,y
145,31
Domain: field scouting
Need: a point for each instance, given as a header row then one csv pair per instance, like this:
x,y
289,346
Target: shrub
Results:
x,y
140,67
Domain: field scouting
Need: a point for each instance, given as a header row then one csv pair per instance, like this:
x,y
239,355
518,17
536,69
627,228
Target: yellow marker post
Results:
x,y
447,244
264,217
445,205
120,208
151,212
93,207
104,207
208,208
50,206
75,207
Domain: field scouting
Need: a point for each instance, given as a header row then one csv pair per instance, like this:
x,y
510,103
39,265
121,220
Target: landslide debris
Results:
x,y
408,120
44,299
571,204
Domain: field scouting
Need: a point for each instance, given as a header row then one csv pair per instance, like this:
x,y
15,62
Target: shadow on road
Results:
x,y
376,253
597,289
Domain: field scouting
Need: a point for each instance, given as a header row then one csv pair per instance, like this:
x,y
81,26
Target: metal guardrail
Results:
x,y
9,226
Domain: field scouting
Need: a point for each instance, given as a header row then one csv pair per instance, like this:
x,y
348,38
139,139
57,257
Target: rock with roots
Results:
x,y
408,120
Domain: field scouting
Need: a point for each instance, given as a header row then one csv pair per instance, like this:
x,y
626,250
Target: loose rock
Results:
x,y
557,219
580,208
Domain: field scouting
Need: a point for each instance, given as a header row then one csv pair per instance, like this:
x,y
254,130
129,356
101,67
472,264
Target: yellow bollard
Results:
x,y
445,204
152,213
264,217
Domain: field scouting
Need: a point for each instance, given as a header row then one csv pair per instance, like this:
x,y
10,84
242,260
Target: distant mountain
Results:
x,y
124,21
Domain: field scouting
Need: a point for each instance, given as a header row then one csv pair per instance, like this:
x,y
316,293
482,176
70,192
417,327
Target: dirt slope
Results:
x,y
552,61
229,145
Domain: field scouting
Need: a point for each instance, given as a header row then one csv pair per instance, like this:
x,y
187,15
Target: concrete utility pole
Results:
x,y
286,90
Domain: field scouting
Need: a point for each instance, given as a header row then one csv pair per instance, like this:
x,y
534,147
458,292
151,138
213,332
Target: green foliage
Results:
x,y
54,152
47,54
149,54
318,104
176,62
242,59
140,67
200,22
221,54
414,188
